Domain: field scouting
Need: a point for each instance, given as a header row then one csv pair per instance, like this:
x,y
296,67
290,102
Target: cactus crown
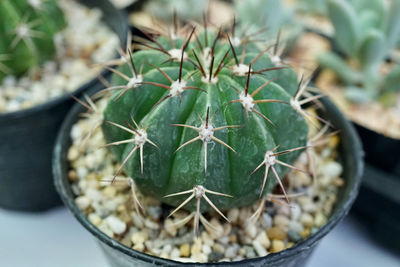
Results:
x,y
202,122
27,29
365,31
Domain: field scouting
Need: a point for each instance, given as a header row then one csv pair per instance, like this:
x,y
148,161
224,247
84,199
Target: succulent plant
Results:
x,y
188,9
200,122
316,7
27,29
265,20
365,32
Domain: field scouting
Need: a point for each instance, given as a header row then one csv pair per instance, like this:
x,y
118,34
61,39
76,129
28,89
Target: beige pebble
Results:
x,y
277,245
260,250
82,202
276,233
233,215
263,239
281,221
196,247
110,191
139,237
307,220
319,219
184,250
94,219
305,233
170,228
251,230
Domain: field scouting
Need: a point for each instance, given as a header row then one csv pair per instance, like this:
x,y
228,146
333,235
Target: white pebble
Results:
x,y
82,202
116,225
332,169
260,250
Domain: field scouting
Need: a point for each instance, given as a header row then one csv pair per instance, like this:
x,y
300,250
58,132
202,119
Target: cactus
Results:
x,y
27,29
365,31
201,123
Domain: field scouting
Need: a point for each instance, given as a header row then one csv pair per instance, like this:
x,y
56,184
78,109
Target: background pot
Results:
x,y
378,204
121,256
28,136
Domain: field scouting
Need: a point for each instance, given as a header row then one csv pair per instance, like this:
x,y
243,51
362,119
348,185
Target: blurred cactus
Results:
x,y
27,29
365,32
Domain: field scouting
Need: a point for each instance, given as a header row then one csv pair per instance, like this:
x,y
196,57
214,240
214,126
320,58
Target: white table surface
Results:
x,y
55,238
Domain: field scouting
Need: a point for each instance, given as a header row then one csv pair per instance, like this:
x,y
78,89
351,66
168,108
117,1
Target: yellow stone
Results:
x,y
305,233
277,245
276,233
184,249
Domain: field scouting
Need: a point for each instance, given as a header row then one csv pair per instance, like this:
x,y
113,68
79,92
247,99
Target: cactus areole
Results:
x,y
196,119
27,30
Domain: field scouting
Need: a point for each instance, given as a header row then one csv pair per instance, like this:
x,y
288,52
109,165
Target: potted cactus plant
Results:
x,y
45,56
363,79
199,133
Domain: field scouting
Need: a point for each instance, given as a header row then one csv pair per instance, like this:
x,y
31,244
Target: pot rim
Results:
x,y
48,105
63,188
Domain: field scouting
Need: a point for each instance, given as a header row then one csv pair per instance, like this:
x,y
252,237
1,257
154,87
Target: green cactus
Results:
x,y
204,117
366,31
27,29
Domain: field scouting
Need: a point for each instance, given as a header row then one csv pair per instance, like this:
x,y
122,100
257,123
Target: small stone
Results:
x,y
266,221
339,182
175,253
82,202
110,191
231,251
167,249
151,225
215,256
139,237
233,215
218,248
251,230
218,229
332,169
233,238
296,226
137,220
224,240
305,233
250,253
154,212
281,221
264,240
277,245
307,220
94,219
196,247
184,250
261,251
276,233
116,225
295,211
139,247
294,236
319,219
289,244
206,249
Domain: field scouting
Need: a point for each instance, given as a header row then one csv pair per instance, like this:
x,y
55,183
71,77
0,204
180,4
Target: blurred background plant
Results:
x,y
27,32
366,31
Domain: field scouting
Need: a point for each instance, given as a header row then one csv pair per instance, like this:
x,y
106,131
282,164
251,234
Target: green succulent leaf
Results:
x,y
392,25
347,28
372,50
392,80
340,67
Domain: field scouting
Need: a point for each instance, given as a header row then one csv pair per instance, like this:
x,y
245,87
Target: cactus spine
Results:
x,y
202,123
27,29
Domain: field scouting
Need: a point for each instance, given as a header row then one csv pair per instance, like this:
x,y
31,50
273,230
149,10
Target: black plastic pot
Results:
x,y
378,204
119,255
28,136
